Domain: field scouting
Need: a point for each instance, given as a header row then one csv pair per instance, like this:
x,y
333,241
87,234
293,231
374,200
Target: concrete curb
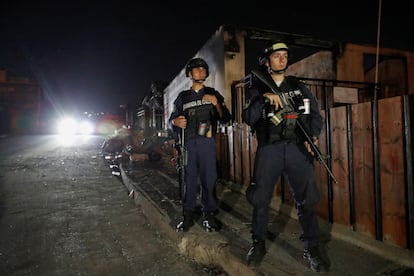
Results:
x,y
211,249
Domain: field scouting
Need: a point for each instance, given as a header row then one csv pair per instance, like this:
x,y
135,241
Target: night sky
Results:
x,y
96,55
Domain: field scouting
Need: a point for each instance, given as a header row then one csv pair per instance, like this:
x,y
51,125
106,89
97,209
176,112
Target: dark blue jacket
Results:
x,y
190,104
255,114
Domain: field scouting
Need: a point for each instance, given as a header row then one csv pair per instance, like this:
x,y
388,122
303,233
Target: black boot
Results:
x,y
185,224
210,223
316,261
256,253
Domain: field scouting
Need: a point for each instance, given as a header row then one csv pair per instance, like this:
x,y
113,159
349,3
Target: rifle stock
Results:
x,y
302,128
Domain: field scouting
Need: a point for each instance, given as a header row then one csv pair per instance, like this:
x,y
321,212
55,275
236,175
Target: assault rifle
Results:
x,y
181,163
290,105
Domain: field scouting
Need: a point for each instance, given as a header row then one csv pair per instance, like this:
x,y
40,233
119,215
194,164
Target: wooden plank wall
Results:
x,y
363,169
392,170
223,154
232,154
341,208
360,213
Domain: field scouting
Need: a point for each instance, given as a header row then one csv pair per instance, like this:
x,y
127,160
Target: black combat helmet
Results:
x,y
277,46
194,63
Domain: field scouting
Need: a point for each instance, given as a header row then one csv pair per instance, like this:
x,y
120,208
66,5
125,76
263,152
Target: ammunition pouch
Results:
x,y
203,128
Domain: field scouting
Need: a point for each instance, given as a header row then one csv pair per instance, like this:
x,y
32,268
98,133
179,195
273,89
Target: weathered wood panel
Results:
x,y
322,209
363,169
232,153
222,149
341,207
391,144
238,154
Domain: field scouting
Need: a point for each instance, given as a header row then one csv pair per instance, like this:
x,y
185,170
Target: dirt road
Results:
x,y
63,213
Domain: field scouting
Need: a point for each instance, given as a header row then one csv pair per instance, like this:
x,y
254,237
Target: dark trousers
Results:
x,y
271,162
201,164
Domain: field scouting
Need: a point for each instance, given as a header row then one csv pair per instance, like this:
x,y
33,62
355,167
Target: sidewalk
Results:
x,y
349,253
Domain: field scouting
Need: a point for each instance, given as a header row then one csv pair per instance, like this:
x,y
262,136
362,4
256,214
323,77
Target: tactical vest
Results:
x,y
201,115
266,131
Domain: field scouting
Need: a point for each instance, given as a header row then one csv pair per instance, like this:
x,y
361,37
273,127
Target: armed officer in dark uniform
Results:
x,y
283,150
197,111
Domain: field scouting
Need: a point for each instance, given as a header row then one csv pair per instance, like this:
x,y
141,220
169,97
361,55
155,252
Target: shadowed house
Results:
x,y
366,101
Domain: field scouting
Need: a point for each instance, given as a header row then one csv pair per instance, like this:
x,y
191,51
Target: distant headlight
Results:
x,y
67,126
70,126
86,128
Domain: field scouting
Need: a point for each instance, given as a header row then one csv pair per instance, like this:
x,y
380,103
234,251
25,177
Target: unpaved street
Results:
x,y
63,213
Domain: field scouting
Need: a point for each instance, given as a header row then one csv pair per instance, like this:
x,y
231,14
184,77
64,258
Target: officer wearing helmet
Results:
x,y
196,63
197,111
283,150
